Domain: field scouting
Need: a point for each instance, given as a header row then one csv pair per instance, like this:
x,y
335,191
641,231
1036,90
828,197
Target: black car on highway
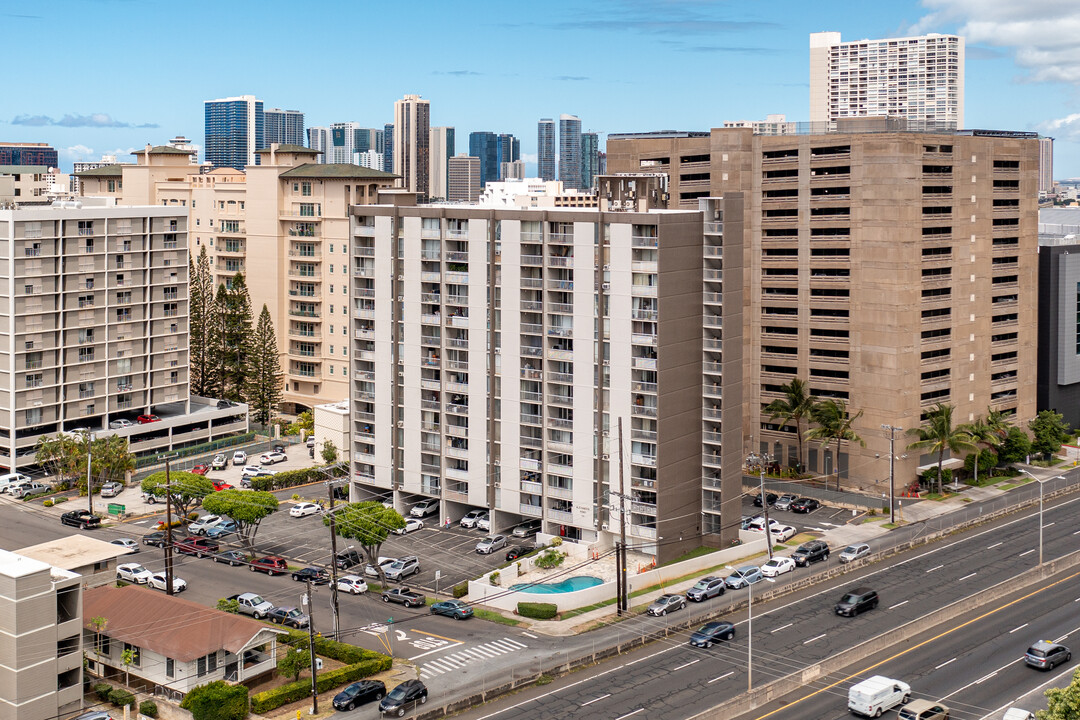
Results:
x,y
359,693
856,600
712,632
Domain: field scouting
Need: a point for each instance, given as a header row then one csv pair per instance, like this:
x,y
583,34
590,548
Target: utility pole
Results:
x,y
330,483
624,605
765,505
892,460
168,529
89,475
311,649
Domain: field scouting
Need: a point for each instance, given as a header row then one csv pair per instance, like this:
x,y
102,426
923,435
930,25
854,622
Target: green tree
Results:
x,y
111,458
264,381
329,452
796,406
188,489
938,434
1015,447
60,455
217,701
65,455
127,659
304,423
229,605
235,316
247,507
834,425
293,663
368,523
1062,703
98,623
204,326
981,433
1049,431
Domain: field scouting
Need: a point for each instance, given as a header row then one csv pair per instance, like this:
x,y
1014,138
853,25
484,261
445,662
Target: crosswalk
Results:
x,y
458,660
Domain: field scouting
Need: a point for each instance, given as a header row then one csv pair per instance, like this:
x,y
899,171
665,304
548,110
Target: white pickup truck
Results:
x,y
253,605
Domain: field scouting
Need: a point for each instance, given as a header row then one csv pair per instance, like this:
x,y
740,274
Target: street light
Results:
x,y
762,460
1057,477
892,430
750,632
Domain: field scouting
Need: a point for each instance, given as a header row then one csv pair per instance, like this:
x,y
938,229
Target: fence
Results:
x,y
187,458
839,498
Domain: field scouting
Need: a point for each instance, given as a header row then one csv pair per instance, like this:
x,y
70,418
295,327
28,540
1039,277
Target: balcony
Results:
x,y
535,260
560,493
530,510
643,532
641,241
561,516
650,290
531,305
534,488
640,459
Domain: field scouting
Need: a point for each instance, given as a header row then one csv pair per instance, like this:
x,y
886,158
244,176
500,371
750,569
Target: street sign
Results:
x,y
116,509
438,575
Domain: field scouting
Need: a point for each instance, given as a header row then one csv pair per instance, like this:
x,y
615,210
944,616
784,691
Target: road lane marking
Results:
x,y
447,647
986,677
1048,524
686,665
781,628
806,642
947,662
1026,552
1062,638
991,547
595,700
968,576
725,675
1019,628
936,567
891,607
441,637
621,717
534,637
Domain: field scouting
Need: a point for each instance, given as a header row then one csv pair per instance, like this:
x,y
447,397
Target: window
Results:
x,y
86,301
33,360
34,380
124,382
123,298
305,189
86,390
123,365
33,416
170,668
86,354
136,654
86,335
174,377
123,314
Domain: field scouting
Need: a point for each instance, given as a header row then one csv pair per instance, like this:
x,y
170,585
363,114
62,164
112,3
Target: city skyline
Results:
x,y
757,59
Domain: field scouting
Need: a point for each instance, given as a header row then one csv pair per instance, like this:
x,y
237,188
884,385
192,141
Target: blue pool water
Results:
x,y
568,585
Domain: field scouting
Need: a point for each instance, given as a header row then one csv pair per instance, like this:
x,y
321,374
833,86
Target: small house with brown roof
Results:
x,y
175,644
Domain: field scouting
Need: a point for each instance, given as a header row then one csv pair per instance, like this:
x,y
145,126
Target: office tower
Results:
x,y
234,131
485,146
343,136
388,147
509,151
570,151
1046,165
500,410
512,170
1059,297
917,78
545,149
442,149
318,139
42,639
28,154
590,160
463,183
876,278
412,138
285,127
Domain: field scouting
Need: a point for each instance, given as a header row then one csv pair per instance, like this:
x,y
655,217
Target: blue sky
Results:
x,y
108,76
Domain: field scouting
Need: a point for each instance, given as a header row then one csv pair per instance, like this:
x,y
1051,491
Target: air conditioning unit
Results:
x,y
605,456
498,484
605,287
498,351
401,278
604,526
401,298
498,463
401,423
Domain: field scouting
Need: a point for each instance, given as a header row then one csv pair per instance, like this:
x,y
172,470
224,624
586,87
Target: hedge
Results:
x,y
537,611
289,478
121,698
148,708
102,690
461,590
271,699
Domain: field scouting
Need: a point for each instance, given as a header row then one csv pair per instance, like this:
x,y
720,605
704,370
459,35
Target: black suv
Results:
x,y
770,498
856,600
347,559
403,697
810,552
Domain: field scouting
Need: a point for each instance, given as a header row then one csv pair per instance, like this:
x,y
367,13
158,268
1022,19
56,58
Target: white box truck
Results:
x,y
875,695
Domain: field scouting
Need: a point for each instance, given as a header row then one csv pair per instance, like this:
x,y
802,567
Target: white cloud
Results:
x,y
1067,128
76,152
528,157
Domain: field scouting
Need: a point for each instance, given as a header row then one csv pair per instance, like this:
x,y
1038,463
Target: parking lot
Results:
x,y
820,520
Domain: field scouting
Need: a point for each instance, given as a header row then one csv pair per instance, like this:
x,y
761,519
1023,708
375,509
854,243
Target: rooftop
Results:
x,y
73,552
15,565
21,169
336,170
103,171
162,150
286,148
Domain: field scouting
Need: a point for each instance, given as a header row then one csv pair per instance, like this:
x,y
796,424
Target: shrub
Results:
x,y
102,690
57,501
148,708
461,590
269,700
193,516
48,503
494,577
549,559
229,606
217,701
121,698
296,496
556,541
537,611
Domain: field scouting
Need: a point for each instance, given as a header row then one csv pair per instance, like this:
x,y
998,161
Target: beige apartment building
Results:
x,y
891,269
284,224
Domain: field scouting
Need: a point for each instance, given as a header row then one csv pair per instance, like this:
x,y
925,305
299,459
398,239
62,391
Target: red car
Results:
x,y
219,486
197,546
271,565
200,469
143,419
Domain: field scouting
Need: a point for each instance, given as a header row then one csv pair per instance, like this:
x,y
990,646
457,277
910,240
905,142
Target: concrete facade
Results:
x,y
412,144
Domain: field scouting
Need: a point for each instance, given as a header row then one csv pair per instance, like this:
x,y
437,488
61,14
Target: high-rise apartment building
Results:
x,y
388,145
182,143
512,170
412,149
891,269
1046,165
476,362
545,149
368,159
442,149
234,131
463,183
590,159
570,151
318,139
917,78
28,154
776,124
285,127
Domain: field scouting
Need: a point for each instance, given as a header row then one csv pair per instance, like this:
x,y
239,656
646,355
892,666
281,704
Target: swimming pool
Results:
x,y
563,586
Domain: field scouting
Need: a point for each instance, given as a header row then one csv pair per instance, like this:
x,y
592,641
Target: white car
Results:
x,y
239,457
424,508
200,526
470,518
777,566
782,533
272,457
121,424
133,572
484,523
854,552
758,525
303,509
252,471
384,563
157,581
352,583
490,544
410,525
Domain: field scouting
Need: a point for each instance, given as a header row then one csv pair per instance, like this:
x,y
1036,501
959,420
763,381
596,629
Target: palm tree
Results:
x,y
981,433
834,423
939,434
798,405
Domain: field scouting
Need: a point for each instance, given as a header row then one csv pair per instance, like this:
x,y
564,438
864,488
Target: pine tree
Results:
x,y
201,317
234,304
264,381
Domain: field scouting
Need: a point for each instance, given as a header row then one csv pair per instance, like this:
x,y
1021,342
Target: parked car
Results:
x,y
771,498
197,546
515,552
220,485
12,479
303,509
353,584
126,543
200,469
347,558
144,419
26,489
782,533
854,552
81,519
94,715
470,518
403,596
741,577
856,601
705,588
920,709
226,527
384,562
233,557
272,458
120,424
239,457
810,552
204,523
220,462
424,508
289,617
245,480
222,404
777,566
490,544
1045,655
252,604
310,442
270,564
157,581
748,520
484,522
359,693
457,609
406,695
709,633
805,505
403,568
527,529
784,501
665,604
156,538
317,576
278,448
411,524
133,573
111,489
252,471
